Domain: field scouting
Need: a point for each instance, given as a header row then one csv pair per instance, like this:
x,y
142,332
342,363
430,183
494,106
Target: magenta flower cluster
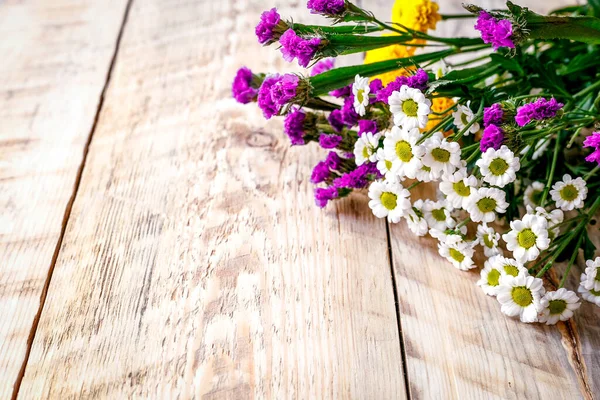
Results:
x,y
265,28
538,110
593,141
326,7
324,170
293,125
496,32
417,81
275,92
493,115
358,178
322,66
294,46
493,136
241,88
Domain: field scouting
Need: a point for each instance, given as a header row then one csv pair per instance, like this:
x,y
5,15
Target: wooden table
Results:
x,y
158,240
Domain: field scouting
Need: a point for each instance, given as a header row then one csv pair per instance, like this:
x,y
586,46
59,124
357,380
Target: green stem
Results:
x,y
587,90
463,223
551,176
592,172
571,261
476,118
581,29
456,16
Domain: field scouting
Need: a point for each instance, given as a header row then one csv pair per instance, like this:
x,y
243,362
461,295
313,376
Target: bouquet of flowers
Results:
x,y
506,125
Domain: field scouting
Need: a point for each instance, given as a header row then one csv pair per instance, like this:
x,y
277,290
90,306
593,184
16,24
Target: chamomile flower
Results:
x,y
365,148
569,193
440,69
533,194
591,295
388,199
415,220
484,203
488,238
384,165
442,156
458,187
521,296
437,214
558,306
553,217
592,275
361,90
527,237
499,167
442,236
409,107
425,174
497,268
458,252
463,116
400,146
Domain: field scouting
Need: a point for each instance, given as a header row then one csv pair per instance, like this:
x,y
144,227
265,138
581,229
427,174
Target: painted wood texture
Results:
x,y
195,262
55,56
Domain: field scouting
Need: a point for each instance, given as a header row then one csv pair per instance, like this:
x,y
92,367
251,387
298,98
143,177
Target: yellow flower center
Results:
x,y
536,197
522,296
460,188
404,151
569,193
526,238
440,155
456,255
511,270
498,166
388,164
439,214
557,306
389,200
410,107
486,205
493,278
365,152
360,95
463,119
488,242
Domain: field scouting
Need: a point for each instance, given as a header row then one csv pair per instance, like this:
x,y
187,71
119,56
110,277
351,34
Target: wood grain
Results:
x,y
55,60
195,263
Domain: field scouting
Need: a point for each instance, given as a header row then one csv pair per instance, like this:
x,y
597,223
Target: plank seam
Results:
x,y
397,307
69,206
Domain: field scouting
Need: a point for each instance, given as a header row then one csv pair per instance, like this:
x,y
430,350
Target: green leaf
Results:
x,y
579,63
509,64
595,6
461,76
319,30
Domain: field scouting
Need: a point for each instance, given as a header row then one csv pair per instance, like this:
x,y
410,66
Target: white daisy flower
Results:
x,y
410,108
458,187
437,214
440,69
558,306
365,148
425,174
458,252
388,199
400,146
540,148
484,203
591,295
527,237
497,268
442,156
463,116
361,90
488,238
384,165
521,296
499,167
553,217
592,275
415,220
533,194
441,236
569,193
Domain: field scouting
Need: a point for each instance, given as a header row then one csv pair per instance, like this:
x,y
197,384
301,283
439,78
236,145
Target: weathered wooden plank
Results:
x,y
195,262
55,58
457,342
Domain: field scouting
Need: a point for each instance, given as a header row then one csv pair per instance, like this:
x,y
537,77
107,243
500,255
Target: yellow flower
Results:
x,y
419,15
390,53
438,105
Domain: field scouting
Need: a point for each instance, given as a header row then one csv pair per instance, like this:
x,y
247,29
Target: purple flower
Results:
x,y
294,126
366,125
537,110
341,92
359,178
375,85
348,113
241,88
322,66
326,7
492,138
324,195
592,141
293,46
594,157
265,101
417,81
284,89
265,28
494,31
336,120
329,141
333,160
493,115
320,173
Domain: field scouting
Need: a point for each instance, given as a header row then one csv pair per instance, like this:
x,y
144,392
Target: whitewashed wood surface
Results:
x,y
171,249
